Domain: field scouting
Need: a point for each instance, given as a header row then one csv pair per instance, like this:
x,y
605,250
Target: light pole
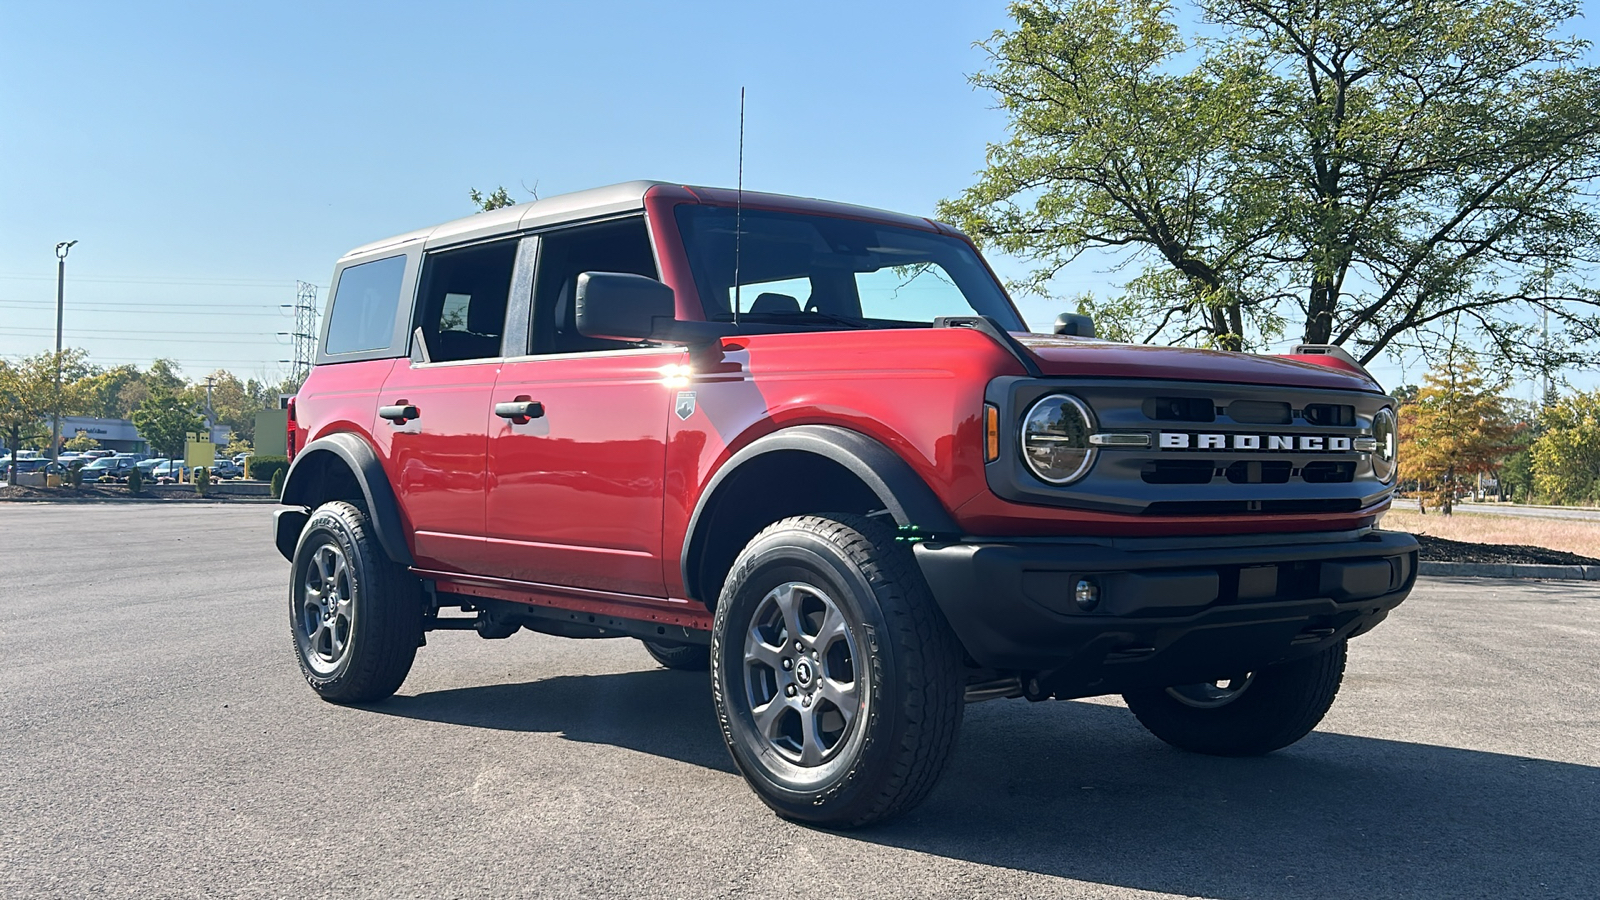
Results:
x,y
62,249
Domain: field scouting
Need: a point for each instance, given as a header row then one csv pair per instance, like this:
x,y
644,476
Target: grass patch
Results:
x,y
1578,537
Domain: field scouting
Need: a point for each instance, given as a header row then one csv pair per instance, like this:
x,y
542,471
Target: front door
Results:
x,y
575,481
575,494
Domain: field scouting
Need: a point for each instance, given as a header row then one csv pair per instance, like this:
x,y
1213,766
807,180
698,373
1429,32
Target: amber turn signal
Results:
x,y
991,432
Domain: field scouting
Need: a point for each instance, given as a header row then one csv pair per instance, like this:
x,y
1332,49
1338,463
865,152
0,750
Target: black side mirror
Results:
x,y
1074,325
621,307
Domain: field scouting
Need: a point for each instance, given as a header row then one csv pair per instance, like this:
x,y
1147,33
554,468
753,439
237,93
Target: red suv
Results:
x,y
813,448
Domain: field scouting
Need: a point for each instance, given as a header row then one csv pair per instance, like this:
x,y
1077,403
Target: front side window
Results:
x,y
622,246
811,271
364,304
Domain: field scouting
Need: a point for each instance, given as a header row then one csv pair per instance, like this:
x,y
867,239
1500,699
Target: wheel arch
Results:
x,y
800,470
341,466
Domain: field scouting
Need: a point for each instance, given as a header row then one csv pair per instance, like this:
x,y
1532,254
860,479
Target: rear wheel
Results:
x,y
355,616
687,657
1249,714
837,682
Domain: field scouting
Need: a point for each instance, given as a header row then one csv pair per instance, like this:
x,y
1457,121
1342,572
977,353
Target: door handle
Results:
x,y
520,411
399,414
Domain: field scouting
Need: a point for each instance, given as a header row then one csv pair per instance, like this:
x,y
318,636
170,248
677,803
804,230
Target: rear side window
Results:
x,y
364,304
461,308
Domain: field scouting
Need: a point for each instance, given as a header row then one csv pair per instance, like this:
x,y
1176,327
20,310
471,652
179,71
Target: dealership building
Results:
x,y
120,434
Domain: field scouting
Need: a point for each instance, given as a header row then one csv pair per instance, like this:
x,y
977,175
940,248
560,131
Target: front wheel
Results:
x,y
1249,714
837,682
355,616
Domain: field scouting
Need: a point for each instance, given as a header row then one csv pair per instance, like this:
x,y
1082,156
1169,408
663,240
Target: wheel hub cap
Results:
x,y
801,674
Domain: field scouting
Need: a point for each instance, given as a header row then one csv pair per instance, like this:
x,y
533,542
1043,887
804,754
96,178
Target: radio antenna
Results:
x,y
738,214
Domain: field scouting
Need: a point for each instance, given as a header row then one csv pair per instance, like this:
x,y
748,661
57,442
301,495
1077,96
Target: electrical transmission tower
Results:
x,y
304,335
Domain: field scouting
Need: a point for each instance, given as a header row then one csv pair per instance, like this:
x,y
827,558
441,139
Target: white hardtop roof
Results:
x,y
592,202
629,195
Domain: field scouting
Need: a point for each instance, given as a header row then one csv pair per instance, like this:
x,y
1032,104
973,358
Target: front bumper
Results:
x,y
1170,610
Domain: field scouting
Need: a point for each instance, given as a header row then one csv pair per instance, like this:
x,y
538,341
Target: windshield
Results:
x,y
823,272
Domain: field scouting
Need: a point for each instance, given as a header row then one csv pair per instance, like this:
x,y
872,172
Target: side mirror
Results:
x,y
622,307
1074,325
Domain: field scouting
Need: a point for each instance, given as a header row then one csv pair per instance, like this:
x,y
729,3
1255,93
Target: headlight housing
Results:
x,y
1387,437
1055,438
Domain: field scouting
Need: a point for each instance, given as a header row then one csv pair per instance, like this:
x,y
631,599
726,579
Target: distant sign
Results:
x,y
270,427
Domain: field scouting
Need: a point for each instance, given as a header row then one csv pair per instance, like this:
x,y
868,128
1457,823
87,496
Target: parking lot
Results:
x,y
156,741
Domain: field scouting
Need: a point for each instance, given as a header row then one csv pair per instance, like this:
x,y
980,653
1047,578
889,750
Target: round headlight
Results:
x,y
1385,433
1055,439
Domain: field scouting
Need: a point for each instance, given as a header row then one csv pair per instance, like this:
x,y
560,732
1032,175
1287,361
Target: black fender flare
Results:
x,y
903,493
362,461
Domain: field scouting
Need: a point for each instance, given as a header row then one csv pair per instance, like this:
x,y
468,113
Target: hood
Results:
x,y
1088,357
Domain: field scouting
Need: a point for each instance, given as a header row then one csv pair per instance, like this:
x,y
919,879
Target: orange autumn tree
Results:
x,y
1456,428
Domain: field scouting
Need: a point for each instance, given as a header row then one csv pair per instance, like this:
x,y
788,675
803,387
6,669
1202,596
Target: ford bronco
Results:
x,y
813,449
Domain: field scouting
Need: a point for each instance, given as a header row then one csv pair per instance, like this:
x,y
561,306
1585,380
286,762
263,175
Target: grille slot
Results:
x,y
1272,471
1180,409
1261,412
1333,415
1177,471
1327,471
1236,507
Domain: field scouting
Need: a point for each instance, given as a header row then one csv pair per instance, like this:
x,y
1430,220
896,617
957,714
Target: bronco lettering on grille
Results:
x,y
1263,443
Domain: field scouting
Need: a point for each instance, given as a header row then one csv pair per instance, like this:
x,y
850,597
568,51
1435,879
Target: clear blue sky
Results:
x,y
207,156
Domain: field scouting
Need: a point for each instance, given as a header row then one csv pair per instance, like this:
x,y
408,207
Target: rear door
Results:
x,y
575,491
433,410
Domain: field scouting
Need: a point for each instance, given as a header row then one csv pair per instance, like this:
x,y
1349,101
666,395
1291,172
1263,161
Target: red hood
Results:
x,y
1082,356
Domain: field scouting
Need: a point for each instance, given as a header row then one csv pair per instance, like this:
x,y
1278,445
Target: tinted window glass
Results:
x,y
364,303
462,305
563,256
813,271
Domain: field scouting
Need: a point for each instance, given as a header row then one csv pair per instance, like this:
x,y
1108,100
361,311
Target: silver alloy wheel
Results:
x,y
802,679
1211,694
327,613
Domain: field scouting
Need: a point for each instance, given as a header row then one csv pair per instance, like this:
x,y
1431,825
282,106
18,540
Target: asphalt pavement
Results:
x,y
156,741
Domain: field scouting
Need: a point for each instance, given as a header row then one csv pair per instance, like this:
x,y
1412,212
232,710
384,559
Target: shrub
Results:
x,y
135,481
202,480
277,483
262,468
75,477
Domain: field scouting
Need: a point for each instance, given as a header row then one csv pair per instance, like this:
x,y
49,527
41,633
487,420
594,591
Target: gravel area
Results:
x,y
1436,549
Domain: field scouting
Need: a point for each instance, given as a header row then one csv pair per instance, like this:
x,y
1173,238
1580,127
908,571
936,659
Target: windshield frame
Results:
x,y
974,281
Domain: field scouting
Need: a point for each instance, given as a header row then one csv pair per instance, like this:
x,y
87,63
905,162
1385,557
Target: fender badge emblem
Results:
x,y
685,405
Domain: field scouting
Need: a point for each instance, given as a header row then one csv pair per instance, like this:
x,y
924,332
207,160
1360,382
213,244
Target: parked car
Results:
x,y
145,465
861,497
170,468
239,458
98,453
115,466
225,468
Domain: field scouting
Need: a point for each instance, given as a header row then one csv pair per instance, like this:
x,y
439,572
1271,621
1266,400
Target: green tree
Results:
x,y
1368,173
495,199
1566,457
164,420
81,442
1456,428
28,395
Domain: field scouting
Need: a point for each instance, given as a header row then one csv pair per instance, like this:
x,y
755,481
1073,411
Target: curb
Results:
x,y
1509,570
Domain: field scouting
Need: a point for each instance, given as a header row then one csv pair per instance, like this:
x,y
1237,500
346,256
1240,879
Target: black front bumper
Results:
x,y
1170,610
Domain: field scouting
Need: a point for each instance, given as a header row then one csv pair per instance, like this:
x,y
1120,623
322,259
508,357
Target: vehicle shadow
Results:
x,y
1079,790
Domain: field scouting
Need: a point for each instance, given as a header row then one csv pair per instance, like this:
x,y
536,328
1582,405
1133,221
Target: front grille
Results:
x,y
1213,449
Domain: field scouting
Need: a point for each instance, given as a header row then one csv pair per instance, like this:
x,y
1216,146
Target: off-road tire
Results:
x,y
910,704
386,626
1280,706
685,657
